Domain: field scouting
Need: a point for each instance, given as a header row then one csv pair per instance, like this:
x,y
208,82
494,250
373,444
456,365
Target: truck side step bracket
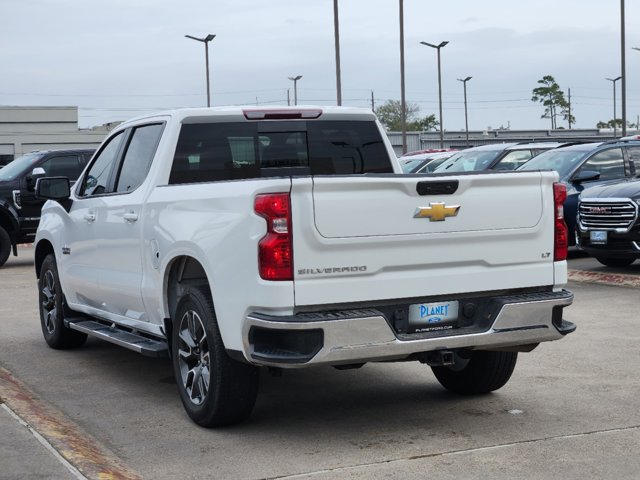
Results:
x,y
146,346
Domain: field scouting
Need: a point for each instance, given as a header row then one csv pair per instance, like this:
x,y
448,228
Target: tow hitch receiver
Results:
x,y
439,358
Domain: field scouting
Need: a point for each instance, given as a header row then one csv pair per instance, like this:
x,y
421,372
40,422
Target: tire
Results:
x,y
215,389
477,372
615,261
5,246
52,306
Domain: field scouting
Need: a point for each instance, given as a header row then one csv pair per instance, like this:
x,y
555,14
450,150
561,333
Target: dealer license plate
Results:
x,y
428,317
598,237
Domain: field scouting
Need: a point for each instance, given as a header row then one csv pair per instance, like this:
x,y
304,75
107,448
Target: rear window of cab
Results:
x,y
229,151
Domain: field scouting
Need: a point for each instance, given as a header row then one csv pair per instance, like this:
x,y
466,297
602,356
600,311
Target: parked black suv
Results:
x,y
608,225
19,208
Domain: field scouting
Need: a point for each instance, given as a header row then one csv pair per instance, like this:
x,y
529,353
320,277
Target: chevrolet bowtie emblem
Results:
x,y
436,212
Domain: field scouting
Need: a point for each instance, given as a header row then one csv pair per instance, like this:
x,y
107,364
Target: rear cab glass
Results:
x,y
209,152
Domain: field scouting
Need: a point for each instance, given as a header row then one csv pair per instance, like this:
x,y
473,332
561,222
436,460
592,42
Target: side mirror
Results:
x,y
585,176
53,188
36,173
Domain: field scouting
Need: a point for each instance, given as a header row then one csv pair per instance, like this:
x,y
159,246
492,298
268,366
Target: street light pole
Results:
x,y
613,81
438,47
295,88
466,118
623,70
336,30
403,101
206,41
637,121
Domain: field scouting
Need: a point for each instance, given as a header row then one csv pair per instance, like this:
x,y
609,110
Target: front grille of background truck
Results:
x,y
604,214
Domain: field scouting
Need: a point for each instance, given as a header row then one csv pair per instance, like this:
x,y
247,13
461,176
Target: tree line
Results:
x,y
548,93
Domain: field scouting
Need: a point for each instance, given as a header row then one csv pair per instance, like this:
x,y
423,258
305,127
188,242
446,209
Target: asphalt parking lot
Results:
x,y
571,409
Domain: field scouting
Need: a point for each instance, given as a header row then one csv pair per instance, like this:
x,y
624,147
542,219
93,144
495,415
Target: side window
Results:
x,y
86,158
514,159
96,181
65,166
634,157
609,163
138,157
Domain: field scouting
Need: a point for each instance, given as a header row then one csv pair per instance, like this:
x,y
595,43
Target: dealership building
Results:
x,y
25,129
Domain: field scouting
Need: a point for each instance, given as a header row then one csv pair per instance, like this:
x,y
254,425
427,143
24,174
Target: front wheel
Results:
x,y
52,309
215,389
615,262
477,371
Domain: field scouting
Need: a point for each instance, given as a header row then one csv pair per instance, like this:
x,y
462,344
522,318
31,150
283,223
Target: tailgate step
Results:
x,y
149,347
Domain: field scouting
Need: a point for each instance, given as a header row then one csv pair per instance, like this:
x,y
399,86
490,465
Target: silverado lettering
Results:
x,y
316,271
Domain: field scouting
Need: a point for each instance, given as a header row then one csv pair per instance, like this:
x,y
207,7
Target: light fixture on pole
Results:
x,y
206,41
613,81
466,118
295,88
438,47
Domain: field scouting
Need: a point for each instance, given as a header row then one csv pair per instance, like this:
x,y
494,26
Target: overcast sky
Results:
x,y
121,58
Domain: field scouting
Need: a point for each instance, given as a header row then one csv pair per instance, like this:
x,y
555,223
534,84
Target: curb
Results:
x,y
615,279
73,445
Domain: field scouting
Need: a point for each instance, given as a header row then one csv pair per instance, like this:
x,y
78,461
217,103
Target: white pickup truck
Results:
x,y
232,239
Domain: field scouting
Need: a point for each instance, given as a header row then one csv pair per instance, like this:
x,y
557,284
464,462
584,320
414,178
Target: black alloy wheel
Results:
x,y
52,309
215,389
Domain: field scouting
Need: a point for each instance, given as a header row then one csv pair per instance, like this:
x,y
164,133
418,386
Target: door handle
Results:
x,y
90,217
130,217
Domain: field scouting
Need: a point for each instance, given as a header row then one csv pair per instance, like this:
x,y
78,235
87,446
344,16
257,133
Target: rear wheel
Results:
x,y
477,371
5,246
215,389
52,309
615,262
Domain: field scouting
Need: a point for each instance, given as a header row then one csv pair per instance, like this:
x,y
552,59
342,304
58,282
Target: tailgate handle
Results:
x,y
446,187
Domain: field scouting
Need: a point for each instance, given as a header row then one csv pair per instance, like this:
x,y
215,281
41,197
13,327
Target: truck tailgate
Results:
x,y
379,237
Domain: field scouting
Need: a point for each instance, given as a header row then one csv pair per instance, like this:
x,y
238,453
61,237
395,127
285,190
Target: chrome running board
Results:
x,y
147,346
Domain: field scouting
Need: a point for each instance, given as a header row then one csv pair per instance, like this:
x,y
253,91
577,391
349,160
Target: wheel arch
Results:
x,y
183,270
43,248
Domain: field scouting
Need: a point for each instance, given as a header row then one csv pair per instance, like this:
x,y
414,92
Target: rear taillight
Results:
x,y
561,242
275,249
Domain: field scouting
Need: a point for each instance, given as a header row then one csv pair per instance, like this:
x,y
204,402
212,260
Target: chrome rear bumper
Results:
x,y
364,335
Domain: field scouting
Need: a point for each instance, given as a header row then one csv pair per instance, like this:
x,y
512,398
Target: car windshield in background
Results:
x,y
468,161
431,166
562,161
19,165
411,165
425,165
